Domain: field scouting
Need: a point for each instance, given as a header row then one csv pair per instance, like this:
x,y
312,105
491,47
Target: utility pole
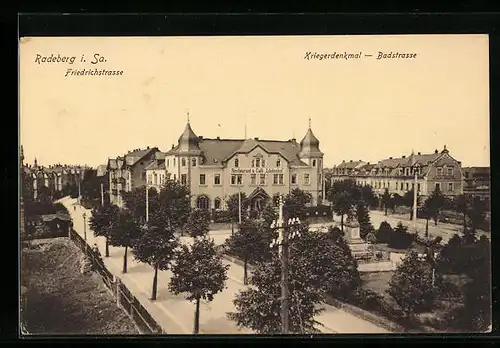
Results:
x,y
415,201
102,194
79,191
147,201
239,203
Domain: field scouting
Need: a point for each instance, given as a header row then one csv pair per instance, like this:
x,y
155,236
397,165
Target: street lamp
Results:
x,y
84,226
286,232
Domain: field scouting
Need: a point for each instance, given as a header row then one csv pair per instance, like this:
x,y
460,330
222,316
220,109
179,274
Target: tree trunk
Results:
x,y
465,223
232,227
427,228
342,222
385,206
155,284
125,260
435,220
197,317
107,247
245,270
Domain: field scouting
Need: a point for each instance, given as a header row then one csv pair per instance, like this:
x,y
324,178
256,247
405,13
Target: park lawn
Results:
x,y
61,300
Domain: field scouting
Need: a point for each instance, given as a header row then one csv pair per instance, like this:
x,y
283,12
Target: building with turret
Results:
x,y
214,169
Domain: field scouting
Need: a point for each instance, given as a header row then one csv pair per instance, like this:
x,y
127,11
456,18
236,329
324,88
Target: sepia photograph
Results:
x,y
254,185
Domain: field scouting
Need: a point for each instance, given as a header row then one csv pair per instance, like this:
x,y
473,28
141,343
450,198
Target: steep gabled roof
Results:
x,y
351,165
135,156
156,165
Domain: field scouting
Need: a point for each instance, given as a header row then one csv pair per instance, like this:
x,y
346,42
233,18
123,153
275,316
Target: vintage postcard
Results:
x,y
254,185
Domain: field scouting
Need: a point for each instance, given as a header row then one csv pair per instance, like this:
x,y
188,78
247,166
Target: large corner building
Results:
x,y
214,169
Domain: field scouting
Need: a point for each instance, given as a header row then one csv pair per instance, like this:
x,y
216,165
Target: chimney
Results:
x,y
368,162
350,161
436,151
200,137
255,138
218,138
147,148
404,156
419,153
173,146
390,157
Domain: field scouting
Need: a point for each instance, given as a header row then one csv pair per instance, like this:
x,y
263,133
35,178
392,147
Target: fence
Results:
x,y
124,298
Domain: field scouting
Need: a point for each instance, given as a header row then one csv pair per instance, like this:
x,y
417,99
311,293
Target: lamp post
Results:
x,y
79,192
84,226
102,194
283,249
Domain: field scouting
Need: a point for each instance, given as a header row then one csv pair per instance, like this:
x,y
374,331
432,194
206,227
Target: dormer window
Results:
x,y
439,171
236,163
257,162
278,163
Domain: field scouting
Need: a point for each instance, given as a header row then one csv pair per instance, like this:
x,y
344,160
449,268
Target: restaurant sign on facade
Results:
x,y
256,170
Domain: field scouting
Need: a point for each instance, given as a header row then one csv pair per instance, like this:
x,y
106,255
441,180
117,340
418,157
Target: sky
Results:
x,y
360,109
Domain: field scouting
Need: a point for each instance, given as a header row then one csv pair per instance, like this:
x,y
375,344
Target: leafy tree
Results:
x,y
295,204
396,201
384,233
461,206
102,220
250,243
342,205
363,217
135,201
386,200
368,196
198,223
268,215
156,247
171,207
233,207
476,214
435,203
199,272
411,285
317,265
401,239
124,233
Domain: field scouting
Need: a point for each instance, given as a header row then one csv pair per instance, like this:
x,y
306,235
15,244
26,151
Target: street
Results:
x,y
176,314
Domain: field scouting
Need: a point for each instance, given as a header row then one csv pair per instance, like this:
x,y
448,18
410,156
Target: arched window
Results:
x,y
183,162
236,163
203,203
193,162
314,163
217,203
278,163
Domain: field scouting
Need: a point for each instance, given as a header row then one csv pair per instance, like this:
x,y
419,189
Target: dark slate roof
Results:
x,y
350,164
157,165
133,157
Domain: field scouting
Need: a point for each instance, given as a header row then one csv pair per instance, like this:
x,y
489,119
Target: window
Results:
x,y
217,203
439,171
438,186
183,162
202,179
450,186
253,163
236,179
319,163
314,163
257,162
401,187
413,186
168,163
418,187
149,179
389,185
174,162
193,162
253,179
306,179
275,179
155,179
217,179
263,162
236,163
407,186
294,178
449,171
262,179
203,203
280,179
278,163
183,179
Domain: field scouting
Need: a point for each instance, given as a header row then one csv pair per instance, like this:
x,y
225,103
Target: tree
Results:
x,y
386,200
461,206
135,201
363,217
411,285
409,200
397,200
268,215
156,247
124,233
401,239
426,213
199,272
157,243
435,203
317,265
342,205
476,214
198,223
250,243
102,220
295,204
233,207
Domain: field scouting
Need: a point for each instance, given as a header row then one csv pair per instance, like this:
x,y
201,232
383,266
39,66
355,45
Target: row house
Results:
x,y
128,172
214,169
438,170
477,182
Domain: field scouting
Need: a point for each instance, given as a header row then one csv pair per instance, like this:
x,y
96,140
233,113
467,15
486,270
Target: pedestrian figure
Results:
x,y
74,207
97,256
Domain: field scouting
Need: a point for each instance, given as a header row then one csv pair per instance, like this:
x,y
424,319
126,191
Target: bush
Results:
x,y
366,299
221,216
400,238
371,238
